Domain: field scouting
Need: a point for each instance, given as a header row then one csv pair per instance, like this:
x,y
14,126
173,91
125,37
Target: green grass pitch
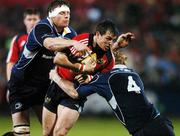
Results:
x,y
84,127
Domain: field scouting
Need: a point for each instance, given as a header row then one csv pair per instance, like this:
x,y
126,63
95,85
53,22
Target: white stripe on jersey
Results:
x,y
11,49
28,54
84,41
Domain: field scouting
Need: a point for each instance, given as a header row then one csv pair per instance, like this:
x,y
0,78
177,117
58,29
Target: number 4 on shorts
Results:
x,y
132,86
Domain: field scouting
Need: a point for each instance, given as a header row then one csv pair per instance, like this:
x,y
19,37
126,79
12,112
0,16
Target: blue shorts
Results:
x,y
55,96
23,96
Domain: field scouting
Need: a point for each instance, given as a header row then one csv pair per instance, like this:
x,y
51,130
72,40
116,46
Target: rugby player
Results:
x,y
30,17
124,91
57,101
29,79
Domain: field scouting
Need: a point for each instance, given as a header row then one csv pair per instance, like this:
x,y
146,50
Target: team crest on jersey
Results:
x,y
47,99
18,105
101,61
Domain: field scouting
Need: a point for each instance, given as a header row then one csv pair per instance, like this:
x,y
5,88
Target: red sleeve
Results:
x,y
13,53
81,37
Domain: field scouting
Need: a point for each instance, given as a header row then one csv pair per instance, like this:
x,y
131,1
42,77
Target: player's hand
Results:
x,y
88,65
123,40
77,53
83,78
79,46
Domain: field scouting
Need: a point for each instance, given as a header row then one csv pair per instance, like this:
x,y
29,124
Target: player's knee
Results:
x,y
61,131
21,130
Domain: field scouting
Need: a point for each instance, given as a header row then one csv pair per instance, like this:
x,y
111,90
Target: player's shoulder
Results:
x,y
82,36
22,35
44,23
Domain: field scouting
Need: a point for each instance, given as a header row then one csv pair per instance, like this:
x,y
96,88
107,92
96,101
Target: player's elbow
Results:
x,y
59,59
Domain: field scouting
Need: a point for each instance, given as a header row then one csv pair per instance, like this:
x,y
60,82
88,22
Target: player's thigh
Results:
x,y
21,118
48,121
66,118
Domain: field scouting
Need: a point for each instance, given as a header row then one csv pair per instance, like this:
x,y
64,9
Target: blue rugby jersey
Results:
x,y
124,91
36,61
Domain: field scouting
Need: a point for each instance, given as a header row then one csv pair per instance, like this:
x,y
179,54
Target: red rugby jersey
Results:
x,y
17,44
104,63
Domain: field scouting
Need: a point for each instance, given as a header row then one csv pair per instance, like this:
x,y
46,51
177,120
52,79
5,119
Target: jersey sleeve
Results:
x,y
41,32
14,50
85,90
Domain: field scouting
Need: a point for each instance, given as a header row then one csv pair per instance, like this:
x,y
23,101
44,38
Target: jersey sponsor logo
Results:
x,y
101,61
47,57
18,105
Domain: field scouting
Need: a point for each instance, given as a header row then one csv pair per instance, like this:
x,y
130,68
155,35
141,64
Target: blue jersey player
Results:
x,y
29,80
124,91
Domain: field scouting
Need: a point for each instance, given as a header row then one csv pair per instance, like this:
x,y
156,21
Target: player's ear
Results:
x,y
98,33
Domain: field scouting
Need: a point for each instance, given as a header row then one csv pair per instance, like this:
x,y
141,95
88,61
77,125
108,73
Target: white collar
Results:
x,y
120,66
66,30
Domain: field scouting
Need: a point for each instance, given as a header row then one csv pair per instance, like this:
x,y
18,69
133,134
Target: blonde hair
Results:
x,y
120,58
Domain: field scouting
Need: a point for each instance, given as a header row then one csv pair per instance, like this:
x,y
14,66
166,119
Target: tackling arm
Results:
x,y
62,60
65,85
58,44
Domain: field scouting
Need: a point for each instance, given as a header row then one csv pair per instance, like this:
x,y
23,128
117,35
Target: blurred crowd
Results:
x,y
155,53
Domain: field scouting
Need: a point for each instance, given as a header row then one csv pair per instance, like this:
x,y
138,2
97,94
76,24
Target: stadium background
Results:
x,y
155,55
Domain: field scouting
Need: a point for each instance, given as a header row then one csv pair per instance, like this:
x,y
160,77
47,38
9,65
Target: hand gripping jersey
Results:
x,y
105,60
124,91
36,61
16,47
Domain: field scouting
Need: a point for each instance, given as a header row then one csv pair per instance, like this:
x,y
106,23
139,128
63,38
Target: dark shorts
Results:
x,y
55,96
160,126
23,96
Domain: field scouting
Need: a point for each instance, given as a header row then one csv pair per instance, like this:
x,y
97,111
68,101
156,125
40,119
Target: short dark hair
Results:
x,y
107,25
31,11
57,3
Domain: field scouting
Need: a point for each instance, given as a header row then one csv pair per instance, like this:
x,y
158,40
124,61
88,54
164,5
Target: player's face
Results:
x,y
30,21
62,19
105,41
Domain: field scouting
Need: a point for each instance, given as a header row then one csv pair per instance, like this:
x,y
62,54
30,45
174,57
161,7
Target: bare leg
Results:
x,y
21,123
48,122
65,121
20,118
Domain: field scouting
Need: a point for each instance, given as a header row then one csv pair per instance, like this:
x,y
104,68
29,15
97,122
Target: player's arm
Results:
x,y
12,57
44,36
68,86
9,66
65,85
123,40
62,60
58,44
